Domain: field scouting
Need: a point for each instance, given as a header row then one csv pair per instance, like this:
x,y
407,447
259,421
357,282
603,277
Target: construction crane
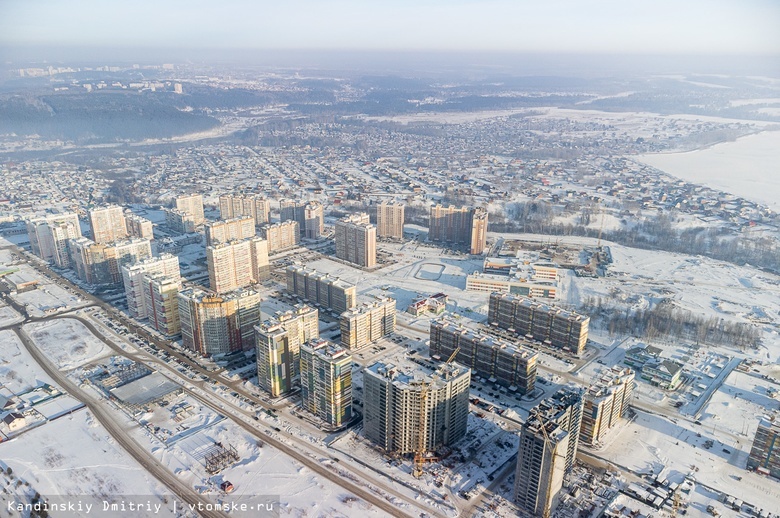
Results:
x,y
421,453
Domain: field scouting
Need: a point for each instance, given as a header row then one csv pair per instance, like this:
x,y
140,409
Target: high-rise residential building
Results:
x,y
136,288
326,381
162,303
554,326
218,324
278,341
459,226
390,220
108,224
192,204
226,230
254,206
321,289
139,227
180,221
765,454
511,364
605,402
367,323
281,236
237,264
356,240
102,263
314,220
406,411
547,451
49,237
294,210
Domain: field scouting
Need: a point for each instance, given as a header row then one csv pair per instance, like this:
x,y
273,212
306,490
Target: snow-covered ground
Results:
x,y
18,371
74,456
9,315
66,342
746,167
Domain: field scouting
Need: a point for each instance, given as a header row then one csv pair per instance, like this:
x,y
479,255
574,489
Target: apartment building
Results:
x,y
326,381
294,210
108,224
390,220
281,236
139,227
234,229
765,453
192,204
356,240
49,237
510,364
218,324
180,221
459,226
314,220
367,323
136,288
162,303
605,403
554,326
405,408
102,263
254,206
237,264
321,289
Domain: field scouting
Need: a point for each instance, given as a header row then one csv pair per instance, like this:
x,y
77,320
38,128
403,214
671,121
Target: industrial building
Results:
x,y
136,289
765,454
326,381
237,264
49,237
547,451
356,240
218,324
390,220
254,206
321,289
605,402
459,226
235,229
510,364
281,236
553,326
367,323
406,411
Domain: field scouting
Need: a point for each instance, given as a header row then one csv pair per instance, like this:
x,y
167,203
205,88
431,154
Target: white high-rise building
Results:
x,y
237,264
390,220
192,204
49,237
356,240
135,286
108,224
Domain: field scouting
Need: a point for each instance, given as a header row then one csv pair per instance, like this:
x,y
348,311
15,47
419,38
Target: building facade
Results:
x,y
390,220
765,453
49,237
237,264
180,221
459,226
102,263
356,240
404,411
108,224
192,204
281,236
314,220
367,323
234,229
136,288
606,402
139,227
218,324
254,206
512,365
321,289
555,327
162,303
326,381
294,210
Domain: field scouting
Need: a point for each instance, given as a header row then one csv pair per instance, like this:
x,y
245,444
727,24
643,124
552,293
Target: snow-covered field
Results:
x,y
66,342
75,456
8,315
18,371
746,167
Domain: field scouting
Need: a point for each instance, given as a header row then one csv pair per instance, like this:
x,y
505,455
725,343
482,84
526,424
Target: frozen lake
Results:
x,y
747,167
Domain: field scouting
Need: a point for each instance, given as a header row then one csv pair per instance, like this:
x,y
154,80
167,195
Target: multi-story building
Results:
x,y
136,288
321,289
459,226
314,220
555,327
605,402
49,237
192,204
390,220
237,264
234,229
102,263
356,240
406,411
254,206
510,364
548,447
489,283
294,210
278,342
367,323
281,236
139,227
162,303
108,224
180,221
765,454
663,372
218,324
326,381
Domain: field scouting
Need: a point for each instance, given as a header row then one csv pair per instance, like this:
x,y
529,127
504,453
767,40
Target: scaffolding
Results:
x,y
219,457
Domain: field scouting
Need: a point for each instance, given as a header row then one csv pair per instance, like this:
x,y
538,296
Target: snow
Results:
x,y
18,371
66,342
745,167
9,316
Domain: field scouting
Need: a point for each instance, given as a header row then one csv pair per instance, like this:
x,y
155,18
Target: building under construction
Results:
x,y
765,453
408,412
512,365
526,317
605,403
219,457
548,447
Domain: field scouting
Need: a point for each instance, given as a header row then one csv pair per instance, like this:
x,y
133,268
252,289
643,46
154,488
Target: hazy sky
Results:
x,y
625,26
